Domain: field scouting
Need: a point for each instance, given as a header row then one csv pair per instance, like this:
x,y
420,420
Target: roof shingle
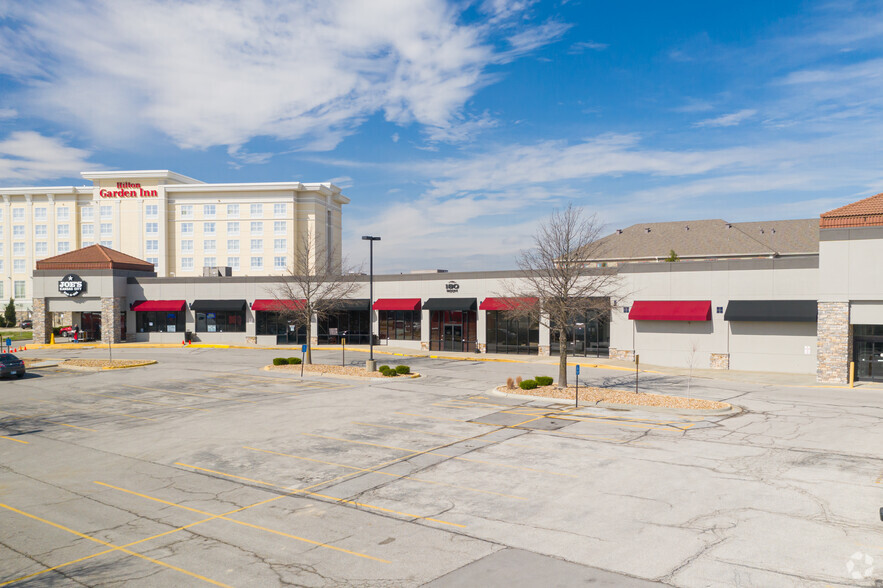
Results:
x,y
864,213
94,257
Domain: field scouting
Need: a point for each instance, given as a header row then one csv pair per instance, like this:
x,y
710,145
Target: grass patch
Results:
x,y
16,335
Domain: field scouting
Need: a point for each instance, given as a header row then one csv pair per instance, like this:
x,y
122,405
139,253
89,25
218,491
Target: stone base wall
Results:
x,y
834,343
251,340
314,341
424,345
111,325
481,347
42,321
544,350
720,361
624,354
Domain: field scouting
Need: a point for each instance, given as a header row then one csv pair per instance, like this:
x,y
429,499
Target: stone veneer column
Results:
x,y
623,354
42,321
111,329
834,343
720,361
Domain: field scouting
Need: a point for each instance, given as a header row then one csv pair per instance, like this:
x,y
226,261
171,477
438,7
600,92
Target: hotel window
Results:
x,y
233,245
18,231
186,210
186,228
18,248
257,210
65,246
64,231
232,211
210,262
279,244
18,266
106,212
257,244
257,263
233,228
257,228
1,289
153,260
187,263
208,228
87,213
18,214
208,210
63,213
40,231
1,231
106,229
41,248
233,262
152,245
151,210
108,244
209,245
40,213
280,227
87,243
19,286
187,245
1,268
279,263
87,230
279,209
152,227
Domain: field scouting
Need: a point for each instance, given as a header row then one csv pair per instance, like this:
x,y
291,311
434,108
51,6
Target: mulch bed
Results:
x,y
593,395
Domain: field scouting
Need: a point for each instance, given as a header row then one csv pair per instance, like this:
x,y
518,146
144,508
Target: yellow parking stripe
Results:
x,y
11,439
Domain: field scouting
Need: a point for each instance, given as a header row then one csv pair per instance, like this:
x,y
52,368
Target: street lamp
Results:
x,y
371,364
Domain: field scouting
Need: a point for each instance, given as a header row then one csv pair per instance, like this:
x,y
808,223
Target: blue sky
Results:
x,y
455,127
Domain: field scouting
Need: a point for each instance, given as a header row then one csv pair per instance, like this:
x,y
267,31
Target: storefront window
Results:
x,y
273,323
400,325
588,334
452,330
222,321
352,324
159,322
509,333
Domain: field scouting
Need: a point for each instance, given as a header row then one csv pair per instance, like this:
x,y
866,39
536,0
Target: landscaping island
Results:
x,y
607,396
294,364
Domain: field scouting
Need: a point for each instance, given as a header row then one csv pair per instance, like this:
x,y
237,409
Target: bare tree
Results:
x,y
312,286
555,274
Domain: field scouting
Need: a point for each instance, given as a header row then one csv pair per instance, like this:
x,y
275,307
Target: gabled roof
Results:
x,y
864,213
706,239
94,257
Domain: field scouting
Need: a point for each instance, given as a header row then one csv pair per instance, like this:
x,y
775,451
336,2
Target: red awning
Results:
x,y
273,305
397,304
671,310
159,306
507,303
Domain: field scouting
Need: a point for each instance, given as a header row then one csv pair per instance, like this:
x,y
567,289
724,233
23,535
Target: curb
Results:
x,y
84,368
613,406
271,368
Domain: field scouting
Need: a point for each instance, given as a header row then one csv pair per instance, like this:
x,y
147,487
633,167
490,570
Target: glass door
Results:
x,y
453,340
869,360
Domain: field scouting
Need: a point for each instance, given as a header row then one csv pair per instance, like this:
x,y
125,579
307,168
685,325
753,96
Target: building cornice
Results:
x,y
161,174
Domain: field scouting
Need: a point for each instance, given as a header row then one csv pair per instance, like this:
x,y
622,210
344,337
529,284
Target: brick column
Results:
x,y
111,329
834,343
42,321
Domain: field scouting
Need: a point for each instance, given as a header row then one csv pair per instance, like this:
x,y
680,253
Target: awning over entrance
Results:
x,y
450,304
344,305
216,305
508,303
273,305
671,310
397,304
797,311
159,305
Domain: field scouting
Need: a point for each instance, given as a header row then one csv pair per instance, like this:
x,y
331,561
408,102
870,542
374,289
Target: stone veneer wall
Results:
x,y
624,354
834,343
544,350
111,326
42,321
720,361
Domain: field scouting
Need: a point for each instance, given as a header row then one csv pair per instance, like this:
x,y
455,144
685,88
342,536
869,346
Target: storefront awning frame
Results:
x,y
518,303
790,311
397,304
455,304
670,310
218,305
274,305
158,305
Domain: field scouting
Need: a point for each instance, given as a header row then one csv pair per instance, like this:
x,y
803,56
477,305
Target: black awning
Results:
x,y
343,305
450,304
795,311
216,305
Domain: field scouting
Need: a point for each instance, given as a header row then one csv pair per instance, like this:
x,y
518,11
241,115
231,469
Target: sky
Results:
x,y
456,127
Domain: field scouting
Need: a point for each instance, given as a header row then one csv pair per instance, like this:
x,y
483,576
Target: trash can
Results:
x,y
188,336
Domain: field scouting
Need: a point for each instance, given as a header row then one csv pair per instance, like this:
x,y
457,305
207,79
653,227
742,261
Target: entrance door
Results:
x,y
869,360
91,326
453,339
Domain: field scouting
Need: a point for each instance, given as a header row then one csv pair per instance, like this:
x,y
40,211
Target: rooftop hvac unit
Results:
x,y
217,271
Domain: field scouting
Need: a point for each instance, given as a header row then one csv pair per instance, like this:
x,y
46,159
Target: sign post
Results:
x,y
8,344
343,351
303,350
577,385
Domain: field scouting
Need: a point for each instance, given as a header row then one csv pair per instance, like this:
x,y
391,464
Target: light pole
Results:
x,y
371,365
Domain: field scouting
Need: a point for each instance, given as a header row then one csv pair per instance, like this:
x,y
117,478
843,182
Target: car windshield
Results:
x,y
7,357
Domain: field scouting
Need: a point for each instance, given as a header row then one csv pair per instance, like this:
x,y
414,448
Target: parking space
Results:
x,y
205,469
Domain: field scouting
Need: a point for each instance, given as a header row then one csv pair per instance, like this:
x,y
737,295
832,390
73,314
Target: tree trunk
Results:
x,y
308,359
562,358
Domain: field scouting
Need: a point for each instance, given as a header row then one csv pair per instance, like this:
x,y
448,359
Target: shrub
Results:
x,y
293,360
280,361
383,368
403,369
543,380
390,373
518,381
510,383
528,384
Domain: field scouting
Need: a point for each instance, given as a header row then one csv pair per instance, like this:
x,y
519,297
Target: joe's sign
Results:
x,y
71,285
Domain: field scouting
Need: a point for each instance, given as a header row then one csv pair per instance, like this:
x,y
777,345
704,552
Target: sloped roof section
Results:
x,y
94,257
707,239
864,213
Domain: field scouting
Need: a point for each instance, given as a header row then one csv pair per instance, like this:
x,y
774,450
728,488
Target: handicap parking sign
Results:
x,y
8,342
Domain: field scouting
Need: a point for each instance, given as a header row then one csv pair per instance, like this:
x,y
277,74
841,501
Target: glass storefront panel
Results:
x,y
352,324
867,350
507,333
159,322
453,330
402,325
286,331
588,334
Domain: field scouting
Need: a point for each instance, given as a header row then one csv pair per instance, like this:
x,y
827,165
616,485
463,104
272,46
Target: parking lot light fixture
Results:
x,y
371,365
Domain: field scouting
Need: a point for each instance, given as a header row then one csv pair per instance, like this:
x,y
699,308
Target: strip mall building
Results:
x,y
798,296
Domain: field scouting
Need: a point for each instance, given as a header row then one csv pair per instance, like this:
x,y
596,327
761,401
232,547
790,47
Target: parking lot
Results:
x,y
206,469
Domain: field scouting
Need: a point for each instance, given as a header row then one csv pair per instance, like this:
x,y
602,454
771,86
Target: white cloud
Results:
x,y
8,113
342,182
581,46
27,156
727,120
395,137
221,73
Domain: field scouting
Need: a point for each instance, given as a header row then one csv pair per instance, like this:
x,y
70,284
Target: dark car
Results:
x,y
27,324
10,365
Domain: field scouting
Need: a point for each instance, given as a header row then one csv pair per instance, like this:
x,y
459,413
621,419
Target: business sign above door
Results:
x,y
71,285
452,287
128,190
